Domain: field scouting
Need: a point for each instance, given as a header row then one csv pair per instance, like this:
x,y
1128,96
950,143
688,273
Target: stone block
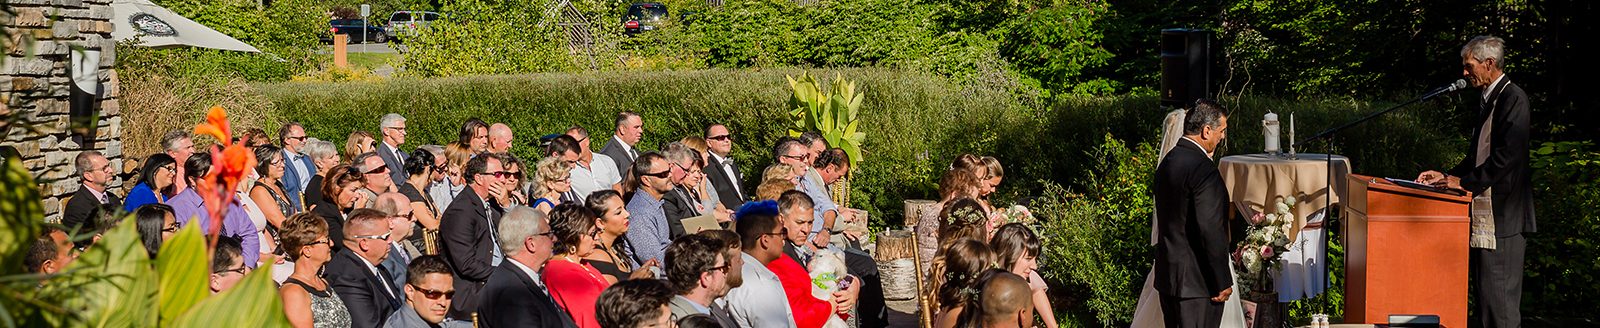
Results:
x,y
53,205
100,12
74,13
35,66
34,164
40,33
50,106
66,30
114,148
110,107
29,148
27,2
70,3
48,48
30,17
93,40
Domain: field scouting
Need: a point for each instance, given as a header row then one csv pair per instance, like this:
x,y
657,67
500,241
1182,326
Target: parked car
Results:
x,y
644,16
354,28
406,22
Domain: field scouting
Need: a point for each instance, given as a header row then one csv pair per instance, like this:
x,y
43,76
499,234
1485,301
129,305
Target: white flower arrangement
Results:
x,y
1265,240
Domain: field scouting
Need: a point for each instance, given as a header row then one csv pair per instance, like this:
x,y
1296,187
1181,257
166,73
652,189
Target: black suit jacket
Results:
x,y
511,299
1191,212
465,240
362,292
397,166
1506,169
83,207
614,149
724,184
335,217
678,206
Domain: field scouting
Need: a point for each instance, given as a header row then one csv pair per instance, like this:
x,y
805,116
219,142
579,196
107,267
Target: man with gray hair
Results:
x,y
500,138
1496,171
377,175
179,145
515,295
297,168
1191,266
95,172
393,127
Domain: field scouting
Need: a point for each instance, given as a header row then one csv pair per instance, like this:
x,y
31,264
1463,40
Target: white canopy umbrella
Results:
x,y
158,27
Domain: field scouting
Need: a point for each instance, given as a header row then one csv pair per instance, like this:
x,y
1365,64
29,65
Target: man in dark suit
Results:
x,y
297,168
721,170
394,135
95,172
698,271
467,231
677,203
1191,266
630,127
515,296
354,272
1496,171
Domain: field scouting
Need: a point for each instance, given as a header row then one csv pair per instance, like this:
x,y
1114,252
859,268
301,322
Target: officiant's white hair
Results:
x,y
1484,47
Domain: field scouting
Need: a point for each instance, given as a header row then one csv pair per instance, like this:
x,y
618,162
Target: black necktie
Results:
x,y
633,154
383,279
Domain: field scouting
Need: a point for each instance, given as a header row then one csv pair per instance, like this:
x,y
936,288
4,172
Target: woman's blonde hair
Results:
x,y
550,169
352,144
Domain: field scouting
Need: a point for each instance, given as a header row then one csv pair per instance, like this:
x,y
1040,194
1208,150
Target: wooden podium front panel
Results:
x,y
1406,253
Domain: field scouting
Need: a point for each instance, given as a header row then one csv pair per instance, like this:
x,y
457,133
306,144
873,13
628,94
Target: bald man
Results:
x,y
500,138
1007,302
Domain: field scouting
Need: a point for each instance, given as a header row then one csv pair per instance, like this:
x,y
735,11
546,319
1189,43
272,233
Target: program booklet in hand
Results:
x,y
700,223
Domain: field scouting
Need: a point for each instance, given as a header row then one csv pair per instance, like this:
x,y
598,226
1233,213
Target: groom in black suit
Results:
x,y
1191,267
1495,169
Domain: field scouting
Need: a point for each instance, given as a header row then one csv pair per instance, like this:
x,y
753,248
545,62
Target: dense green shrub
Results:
x,y
286,33
1562,265
487,37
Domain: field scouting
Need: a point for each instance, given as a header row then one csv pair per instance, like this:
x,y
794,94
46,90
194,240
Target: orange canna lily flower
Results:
x,y
229,164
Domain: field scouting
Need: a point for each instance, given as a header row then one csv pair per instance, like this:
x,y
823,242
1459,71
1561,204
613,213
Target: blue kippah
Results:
x,y
765,207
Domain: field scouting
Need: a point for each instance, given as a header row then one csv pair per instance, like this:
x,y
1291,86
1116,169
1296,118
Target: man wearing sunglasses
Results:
x,y
649,232
227,264
698,273
466,234
299,169
759,301
379,180
429,289
721,170
354,272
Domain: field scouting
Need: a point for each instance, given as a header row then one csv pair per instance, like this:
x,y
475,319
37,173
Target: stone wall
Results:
x,y
35,85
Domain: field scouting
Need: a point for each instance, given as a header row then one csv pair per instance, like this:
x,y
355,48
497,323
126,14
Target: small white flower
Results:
x,y
1283,207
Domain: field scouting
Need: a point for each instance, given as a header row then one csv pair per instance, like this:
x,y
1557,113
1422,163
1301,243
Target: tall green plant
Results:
x,y
831,112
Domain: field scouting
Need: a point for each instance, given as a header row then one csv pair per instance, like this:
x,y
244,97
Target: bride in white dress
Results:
x,y
1148,312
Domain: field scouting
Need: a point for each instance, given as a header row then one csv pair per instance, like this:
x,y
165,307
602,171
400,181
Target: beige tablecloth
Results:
x,y
1254,180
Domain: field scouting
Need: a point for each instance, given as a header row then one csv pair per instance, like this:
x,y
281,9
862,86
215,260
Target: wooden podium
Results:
x,y
1406,252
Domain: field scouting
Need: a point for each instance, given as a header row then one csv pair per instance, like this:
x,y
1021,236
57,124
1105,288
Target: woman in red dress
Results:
x,y
573,284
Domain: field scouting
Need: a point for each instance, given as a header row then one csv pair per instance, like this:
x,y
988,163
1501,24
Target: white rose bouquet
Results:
x,y
1265,240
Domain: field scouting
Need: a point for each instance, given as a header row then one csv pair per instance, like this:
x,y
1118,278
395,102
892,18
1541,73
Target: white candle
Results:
x,y
1291,131
1269,130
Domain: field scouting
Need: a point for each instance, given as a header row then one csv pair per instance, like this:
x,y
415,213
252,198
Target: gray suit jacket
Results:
x,y
681,308
397,166
407,317
618,154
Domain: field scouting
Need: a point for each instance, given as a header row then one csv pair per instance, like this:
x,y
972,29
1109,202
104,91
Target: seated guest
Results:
x,y
399,212
516,191
268,192
422,169
253,137
760,301
307,299
179,145
649,234
452,182
565,149
955,186
429,288
795,217
340,195
779,178
354,273
1016,249
552,180
298,166
227,265
376,175
1002,302
591,172
188,208
393,128
829,166
732,252
698,273
992,181
572,284
955,270
722,171
515,295
630,128
156,225
500,138
635,304
324,157
50,252
474,136
94,171
156,182
359,142
676,202
467,238
614,257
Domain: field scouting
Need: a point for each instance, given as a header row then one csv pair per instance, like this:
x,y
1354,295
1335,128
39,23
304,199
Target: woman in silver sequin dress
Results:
x,y
307,300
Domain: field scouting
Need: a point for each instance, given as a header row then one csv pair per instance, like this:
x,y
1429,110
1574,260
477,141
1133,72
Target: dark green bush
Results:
x,y
1563,258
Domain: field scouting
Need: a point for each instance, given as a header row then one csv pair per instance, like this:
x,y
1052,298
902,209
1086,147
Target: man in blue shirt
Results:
x,y
648,231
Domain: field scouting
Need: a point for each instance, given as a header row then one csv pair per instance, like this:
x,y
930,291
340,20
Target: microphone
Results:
x,y
1457,85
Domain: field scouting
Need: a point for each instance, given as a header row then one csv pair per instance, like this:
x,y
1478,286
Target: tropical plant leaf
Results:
x,y
254,302
182,266
19,212
117,282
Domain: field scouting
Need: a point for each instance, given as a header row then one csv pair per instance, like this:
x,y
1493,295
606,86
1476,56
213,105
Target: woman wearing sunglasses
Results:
x,y
307,300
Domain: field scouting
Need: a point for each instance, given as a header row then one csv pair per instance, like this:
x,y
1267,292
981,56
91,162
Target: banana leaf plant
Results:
x,y
832,112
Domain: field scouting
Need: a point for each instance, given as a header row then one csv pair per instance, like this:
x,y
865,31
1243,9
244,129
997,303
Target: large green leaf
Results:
x,y
116,283
20,211
182,265
254,302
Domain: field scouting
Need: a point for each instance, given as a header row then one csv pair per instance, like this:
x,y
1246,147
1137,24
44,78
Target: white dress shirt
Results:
x,y
726,166
760,301
299,167
388,290
599,175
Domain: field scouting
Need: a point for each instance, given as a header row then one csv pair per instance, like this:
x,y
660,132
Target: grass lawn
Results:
x,y
368,61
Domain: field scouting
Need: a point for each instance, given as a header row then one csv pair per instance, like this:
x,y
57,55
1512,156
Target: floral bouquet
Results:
x,y
1265,240
1015,214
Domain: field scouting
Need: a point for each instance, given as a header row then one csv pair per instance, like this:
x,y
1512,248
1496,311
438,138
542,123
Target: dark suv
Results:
x,y
644,16
354,28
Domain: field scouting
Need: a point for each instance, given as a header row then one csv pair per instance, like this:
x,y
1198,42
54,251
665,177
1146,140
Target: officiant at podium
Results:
x,y
1496,171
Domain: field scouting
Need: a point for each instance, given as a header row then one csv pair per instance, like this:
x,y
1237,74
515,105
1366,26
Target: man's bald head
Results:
x,y
1005,296
500,138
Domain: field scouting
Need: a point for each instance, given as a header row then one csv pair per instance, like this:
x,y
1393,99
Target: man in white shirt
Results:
x,y
591,172
759,300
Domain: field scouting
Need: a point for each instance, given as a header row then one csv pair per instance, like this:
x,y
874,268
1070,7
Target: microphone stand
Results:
x,y
1328,221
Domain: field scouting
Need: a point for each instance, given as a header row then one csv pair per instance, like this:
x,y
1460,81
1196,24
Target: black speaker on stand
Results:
x,y
1185,66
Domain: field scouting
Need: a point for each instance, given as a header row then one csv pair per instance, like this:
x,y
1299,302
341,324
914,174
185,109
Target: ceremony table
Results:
x,y
1256,180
